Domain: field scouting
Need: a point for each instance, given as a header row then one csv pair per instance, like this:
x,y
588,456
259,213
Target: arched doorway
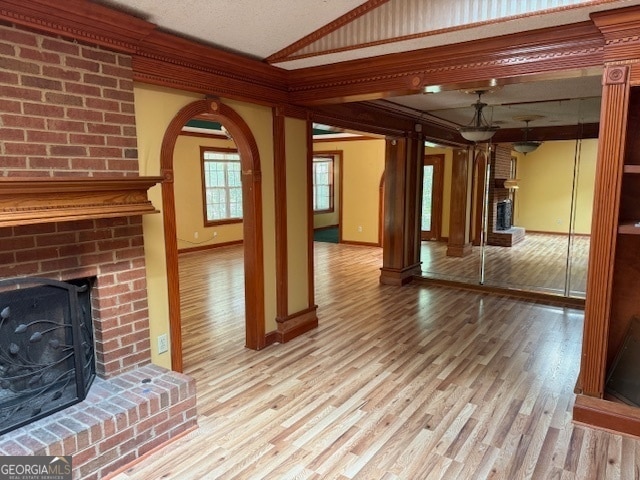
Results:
x,y
252,221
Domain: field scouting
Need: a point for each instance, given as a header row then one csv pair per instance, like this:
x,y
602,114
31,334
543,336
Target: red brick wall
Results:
x,y
501,169
68,109
65,108
110,249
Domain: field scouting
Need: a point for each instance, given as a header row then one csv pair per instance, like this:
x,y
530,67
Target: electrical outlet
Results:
x,y
360,228
196,235
163,343
215,234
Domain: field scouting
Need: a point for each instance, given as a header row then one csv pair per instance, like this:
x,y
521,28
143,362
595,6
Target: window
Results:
x,y
221,186
322,184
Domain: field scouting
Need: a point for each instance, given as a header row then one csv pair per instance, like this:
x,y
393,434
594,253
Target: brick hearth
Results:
x,y
67,109
121,419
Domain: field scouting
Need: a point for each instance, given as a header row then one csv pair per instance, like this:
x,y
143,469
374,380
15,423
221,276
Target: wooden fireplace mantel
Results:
x,y
31,200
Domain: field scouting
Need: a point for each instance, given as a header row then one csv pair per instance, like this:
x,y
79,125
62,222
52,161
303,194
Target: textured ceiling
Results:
x,y
255,28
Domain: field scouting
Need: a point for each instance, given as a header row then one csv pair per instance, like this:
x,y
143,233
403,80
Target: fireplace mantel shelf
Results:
x,y
31,200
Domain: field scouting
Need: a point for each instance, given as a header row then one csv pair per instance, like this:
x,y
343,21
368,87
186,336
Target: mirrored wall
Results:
x,y
529,217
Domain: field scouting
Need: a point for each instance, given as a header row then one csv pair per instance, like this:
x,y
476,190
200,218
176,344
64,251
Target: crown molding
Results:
x,y
79,20
165,59
621,31
576,46
158,57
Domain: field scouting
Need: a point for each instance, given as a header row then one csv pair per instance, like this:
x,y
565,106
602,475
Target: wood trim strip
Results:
x,y
271,337
311,292
280,188
298,323
615,99
547,298
359,244
605,415
348,17
345,139
211,246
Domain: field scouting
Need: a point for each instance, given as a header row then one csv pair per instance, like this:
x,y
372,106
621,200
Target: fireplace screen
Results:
x,y
503,215
46,348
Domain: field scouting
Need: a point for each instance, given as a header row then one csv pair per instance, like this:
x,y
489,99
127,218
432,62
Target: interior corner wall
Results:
x,y
362,169
187,174
543,201
155,108
446,188
298,230
259,118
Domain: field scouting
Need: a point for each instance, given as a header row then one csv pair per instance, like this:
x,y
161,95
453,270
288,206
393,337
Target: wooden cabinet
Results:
x,y
625,292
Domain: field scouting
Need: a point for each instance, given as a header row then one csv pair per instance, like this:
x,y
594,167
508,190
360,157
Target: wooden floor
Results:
x,y
406,382
538,263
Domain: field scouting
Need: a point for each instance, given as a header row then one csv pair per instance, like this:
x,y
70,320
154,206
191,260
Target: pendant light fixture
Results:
x,y
479,129
525,145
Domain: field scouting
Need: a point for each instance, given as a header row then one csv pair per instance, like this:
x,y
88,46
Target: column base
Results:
x,y
399,276
459,250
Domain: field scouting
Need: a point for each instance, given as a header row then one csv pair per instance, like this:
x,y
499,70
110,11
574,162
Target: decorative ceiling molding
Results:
x,y
76,19
621,31
166,60
547,50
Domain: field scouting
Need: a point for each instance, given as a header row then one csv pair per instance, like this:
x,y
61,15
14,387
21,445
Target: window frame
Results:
x,y
223,221
330,159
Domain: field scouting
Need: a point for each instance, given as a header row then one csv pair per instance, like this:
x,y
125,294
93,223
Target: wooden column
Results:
x,y
615,98
402,195
459,244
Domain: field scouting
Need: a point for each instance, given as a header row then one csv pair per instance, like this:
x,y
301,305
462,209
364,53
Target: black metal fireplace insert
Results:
x,y
47,359
504,213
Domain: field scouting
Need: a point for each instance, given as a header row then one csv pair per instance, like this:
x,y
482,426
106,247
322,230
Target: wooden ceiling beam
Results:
x,y
549,51
545,134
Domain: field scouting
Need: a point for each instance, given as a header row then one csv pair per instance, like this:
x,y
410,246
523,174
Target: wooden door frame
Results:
x,y
252,221
437,194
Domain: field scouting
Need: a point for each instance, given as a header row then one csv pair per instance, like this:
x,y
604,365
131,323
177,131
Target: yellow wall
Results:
x,y
260,120
297,215
362,169
188,193
155,108
543,200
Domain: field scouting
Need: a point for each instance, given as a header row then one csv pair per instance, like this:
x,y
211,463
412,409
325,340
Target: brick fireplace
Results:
x,y
501,171
67,112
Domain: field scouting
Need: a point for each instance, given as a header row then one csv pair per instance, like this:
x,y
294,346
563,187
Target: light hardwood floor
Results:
x,y
406,382
538,263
